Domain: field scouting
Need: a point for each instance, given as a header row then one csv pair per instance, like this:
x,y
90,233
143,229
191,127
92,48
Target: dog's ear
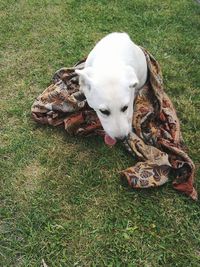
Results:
x,y
85,75
131,77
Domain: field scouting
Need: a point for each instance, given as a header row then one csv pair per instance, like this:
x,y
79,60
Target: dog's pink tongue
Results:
x,y
109,140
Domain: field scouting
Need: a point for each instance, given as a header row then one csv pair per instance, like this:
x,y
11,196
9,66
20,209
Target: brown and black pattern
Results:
x,y
156,139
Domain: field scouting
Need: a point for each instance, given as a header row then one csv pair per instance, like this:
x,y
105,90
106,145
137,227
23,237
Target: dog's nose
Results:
x,y
121,138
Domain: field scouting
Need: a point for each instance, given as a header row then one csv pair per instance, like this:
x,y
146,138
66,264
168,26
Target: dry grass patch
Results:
x,y
28,180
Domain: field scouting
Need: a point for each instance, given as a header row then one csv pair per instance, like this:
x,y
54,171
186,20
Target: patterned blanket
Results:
x,y
156,138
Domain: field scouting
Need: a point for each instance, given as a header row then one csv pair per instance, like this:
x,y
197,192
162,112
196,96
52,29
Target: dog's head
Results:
x,y
110,92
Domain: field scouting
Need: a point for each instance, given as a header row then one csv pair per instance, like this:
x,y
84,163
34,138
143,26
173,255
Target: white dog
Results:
x,y
114,69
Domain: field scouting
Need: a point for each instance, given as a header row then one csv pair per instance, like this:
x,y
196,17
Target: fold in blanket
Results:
x,y
156,138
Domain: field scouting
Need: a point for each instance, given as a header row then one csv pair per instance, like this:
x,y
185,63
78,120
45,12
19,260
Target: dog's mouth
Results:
x,y
109,140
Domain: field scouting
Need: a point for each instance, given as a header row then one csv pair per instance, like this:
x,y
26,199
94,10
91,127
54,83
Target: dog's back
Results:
x,y
116,50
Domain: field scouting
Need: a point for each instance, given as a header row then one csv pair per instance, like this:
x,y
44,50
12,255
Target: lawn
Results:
x,y
61,198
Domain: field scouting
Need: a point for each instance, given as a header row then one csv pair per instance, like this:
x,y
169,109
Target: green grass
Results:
x,y
61,198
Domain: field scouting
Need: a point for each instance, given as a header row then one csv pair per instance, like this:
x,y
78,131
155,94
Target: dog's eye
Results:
x,y
105,112
124,108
